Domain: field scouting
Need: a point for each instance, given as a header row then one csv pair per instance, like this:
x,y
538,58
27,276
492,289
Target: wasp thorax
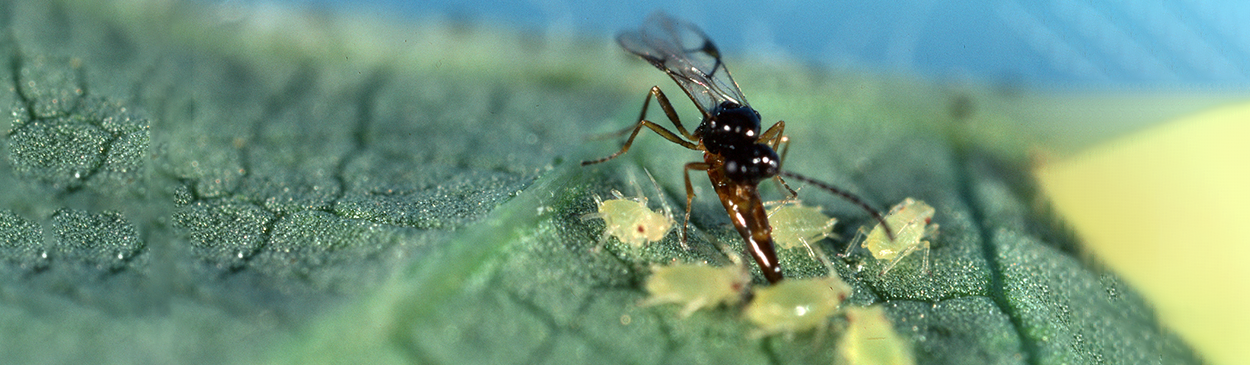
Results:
x,y
730,127
752,163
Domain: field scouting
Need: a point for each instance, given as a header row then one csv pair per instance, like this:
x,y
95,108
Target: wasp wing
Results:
x,y
688,56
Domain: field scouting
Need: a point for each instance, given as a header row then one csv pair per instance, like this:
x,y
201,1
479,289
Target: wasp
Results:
x,y
737,153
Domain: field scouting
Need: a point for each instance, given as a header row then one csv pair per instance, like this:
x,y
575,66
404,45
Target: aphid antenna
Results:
x,y
876,215
603,237
659,194
594,214
632,175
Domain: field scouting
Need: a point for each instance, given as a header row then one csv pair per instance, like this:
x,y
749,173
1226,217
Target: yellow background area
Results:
x,y
1169,209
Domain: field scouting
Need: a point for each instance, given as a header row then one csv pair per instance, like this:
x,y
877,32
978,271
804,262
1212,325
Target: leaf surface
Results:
x,y
191,189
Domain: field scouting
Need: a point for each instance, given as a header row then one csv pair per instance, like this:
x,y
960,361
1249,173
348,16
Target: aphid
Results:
x,y
911,220
696,286
737,153
630,220
796,305
870,339
796,224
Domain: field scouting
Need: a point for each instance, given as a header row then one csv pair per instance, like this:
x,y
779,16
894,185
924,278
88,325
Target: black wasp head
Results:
x,y
752,163
730,126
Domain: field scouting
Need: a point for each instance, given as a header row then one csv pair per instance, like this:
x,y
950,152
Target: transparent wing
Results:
x,y
688,56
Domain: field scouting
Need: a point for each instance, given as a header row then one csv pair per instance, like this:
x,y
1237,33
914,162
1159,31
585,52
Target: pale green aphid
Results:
x,y
696,286
870,339
795,224
910,221
630,221
796,305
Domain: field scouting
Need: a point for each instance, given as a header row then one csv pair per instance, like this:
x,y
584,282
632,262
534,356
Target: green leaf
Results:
x,y
189,188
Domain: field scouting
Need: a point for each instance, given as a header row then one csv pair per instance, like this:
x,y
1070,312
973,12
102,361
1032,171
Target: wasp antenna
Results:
x,y
889,232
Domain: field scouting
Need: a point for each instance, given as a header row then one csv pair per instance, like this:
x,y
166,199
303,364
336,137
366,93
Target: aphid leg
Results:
x,y
810,252
925,266
907,251
924,245
901,255
824,260
860,236
876,215
603,240
776,138
700,166
692,306
930,231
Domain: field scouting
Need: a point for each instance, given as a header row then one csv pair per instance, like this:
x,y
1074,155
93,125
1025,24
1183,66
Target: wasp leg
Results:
x,y
643,122
700,166
776,138
668,111
774,134
658,130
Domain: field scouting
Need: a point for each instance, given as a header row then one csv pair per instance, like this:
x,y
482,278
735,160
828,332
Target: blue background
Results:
x,y
1169,45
